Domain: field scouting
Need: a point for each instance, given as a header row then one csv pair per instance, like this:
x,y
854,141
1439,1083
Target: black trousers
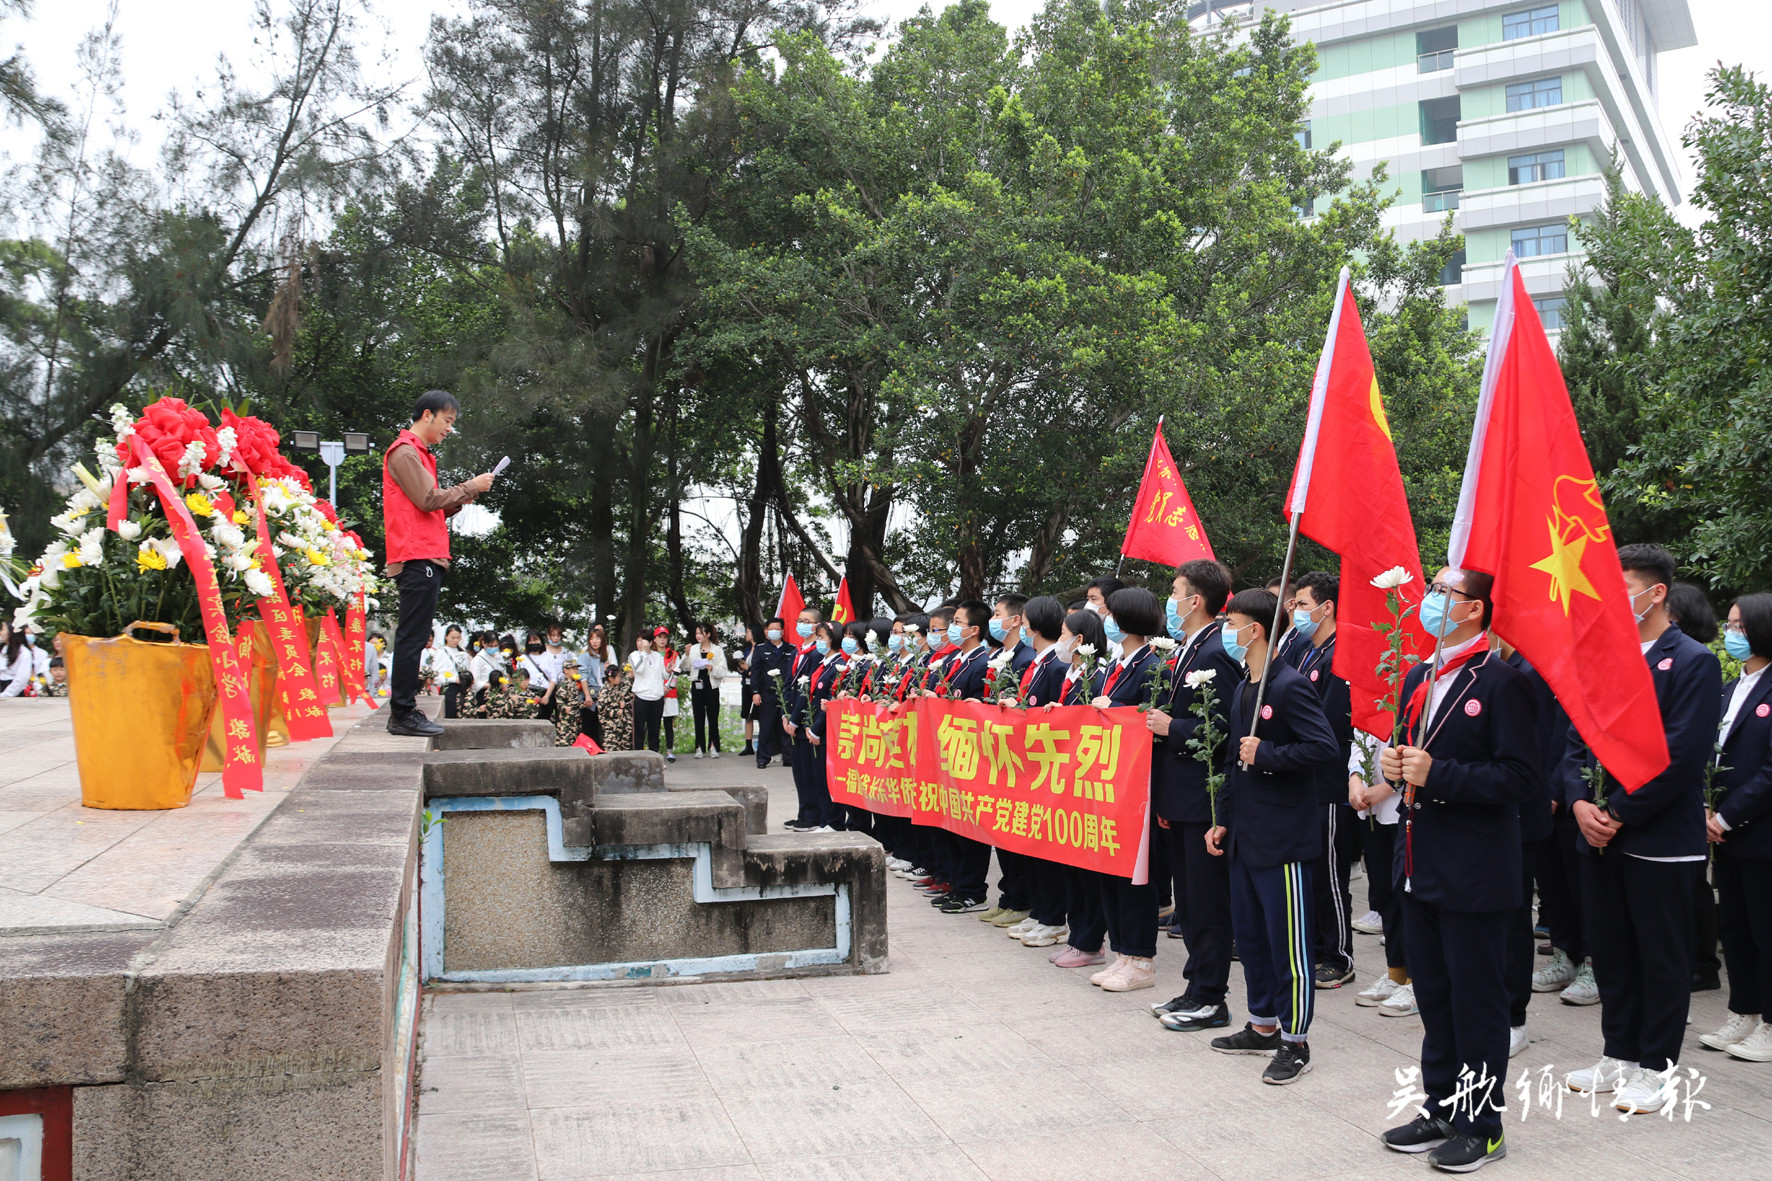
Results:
x,y
1704,927
1012,886
1744,920
452,701
1329,875
1458,962
1205,910
1083,893
647,716
1130,912
1522,945
704,702
770,739
808,781
1379,842
419,583
1639,932
969,863
1047,897
1557,870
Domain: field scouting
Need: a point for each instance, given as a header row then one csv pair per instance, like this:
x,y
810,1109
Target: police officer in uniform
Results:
x,y
774,654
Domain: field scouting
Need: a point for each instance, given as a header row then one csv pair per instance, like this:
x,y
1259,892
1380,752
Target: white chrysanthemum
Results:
x,y
259,583
53,555
129,530
140,475
1085,649
1199,677
1163,644
92,546
191,462
210,483
70,523
288,540
1393,578
226,533
238,563
6,542
84,501
169,550
873,636
1002,659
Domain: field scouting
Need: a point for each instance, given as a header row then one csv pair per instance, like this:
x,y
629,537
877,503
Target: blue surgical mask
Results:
x,y
1173,619
1114,634
1304,622
1434,619
1736,645
894,643
822,646
850,647
774,635
1236,649
803,630
999,633
955,633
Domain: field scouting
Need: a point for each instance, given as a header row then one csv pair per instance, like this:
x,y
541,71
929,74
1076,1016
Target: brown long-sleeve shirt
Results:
x,y
421,489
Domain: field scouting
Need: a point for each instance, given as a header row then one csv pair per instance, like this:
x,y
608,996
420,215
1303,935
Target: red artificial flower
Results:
x,y
255,443
167,427
325,509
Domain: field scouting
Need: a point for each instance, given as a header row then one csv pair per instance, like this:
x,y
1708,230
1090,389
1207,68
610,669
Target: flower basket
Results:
x,y
141,712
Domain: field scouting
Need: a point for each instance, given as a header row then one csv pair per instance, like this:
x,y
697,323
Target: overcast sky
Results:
x,y
171,44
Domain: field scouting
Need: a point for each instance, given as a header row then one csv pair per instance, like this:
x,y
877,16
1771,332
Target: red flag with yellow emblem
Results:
x,y
1530,514
1164,526
1356,506
844,611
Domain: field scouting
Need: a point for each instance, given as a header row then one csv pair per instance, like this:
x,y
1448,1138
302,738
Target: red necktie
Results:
x,y
1027,676
1112,677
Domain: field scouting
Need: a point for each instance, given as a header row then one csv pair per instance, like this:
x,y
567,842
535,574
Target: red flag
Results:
x,y
1358,509
1530,514
844,611
791,605
588,744
1164,527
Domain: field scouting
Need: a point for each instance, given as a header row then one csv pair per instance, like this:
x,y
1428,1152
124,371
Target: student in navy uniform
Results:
x,y
773,654
1130,910
915,838
1537,816
796,704
1088,926
861,668
1007,620
963,677
937,883
1180,801
1014,902
1042,626
1468,752
1741,831
1098,592
1290,640
832,663
1315,599
1642,857
1268,828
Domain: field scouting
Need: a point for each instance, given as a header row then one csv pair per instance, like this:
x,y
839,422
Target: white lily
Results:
x,y
1393,578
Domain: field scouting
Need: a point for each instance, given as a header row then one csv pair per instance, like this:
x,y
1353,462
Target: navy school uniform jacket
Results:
x,y
1131,687
1537,818
794,695
1081,691
1744,780
1665,816
1178,777
1024,656
968,679
1048,680
1317,665
1268,808
824,687
1463,844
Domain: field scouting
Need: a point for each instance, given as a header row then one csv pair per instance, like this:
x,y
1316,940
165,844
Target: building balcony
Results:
x,y
1544,274
1525,131
1540,201
1440,202
1562,52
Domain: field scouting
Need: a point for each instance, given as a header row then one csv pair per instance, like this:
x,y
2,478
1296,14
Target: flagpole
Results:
x,y
1119,565
1273,631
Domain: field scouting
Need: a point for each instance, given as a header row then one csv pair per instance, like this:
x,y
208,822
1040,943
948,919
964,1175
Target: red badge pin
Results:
x,y
1764,711
1473,707
1267,711
1313,674
1666,663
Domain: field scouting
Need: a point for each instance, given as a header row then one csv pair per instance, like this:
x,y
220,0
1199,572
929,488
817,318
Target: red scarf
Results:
x,y
1418,697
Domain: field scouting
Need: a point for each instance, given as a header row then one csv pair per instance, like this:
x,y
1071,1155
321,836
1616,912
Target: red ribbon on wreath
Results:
x,y
302,706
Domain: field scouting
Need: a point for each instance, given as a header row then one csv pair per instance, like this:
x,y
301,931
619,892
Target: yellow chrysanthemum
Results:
x,y
240,517
71,561
199,504
315,557
149,558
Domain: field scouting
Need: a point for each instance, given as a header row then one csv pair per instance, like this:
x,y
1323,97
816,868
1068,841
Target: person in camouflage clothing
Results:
x,y
509,697
569,703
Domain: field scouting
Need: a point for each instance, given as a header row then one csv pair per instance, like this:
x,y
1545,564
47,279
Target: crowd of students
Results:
x,y
1487,799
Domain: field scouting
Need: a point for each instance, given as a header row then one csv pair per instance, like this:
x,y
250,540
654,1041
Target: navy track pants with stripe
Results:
x,y
1271,912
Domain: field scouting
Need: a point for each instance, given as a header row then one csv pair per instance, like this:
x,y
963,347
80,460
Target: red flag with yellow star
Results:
x,y
1530,514
844,610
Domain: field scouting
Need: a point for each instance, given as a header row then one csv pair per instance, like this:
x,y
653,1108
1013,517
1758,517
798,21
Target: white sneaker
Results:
x,y
713,754
1556,975
699,755
820,828
1381,990
1645,1092
1041,935
1735,1029
1371,923
894,864
1400,1003
1518,1038
1017,930
1756,1046
1604,1077
1583,991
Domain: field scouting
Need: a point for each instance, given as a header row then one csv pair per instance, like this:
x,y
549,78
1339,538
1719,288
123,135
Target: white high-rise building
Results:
x,y
1502,114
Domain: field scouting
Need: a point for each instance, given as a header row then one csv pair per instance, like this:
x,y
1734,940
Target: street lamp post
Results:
x,y
332,452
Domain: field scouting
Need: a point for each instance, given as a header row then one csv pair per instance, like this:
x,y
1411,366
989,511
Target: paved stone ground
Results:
x,y
976,1058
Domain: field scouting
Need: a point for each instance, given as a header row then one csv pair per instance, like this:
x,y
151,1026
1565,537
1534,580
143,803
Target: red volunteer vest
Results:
x,y
411,533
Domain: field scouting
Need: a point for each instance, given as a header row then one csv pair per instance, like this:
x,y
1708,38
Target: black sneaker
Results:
x,y
957,905
1247,1041
1419,1134
1328,977
1467,1154
1195,1020
413,724
1291,1062
1178,1005
1706,982
748,750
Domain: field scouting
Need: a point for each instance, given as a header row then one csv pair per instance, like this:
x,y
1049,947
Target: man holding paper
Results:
x,y
416,515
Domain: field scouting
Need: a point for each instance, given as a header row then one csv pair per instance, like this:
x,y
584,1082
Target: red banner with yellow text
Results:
x,y
1070,785
302,708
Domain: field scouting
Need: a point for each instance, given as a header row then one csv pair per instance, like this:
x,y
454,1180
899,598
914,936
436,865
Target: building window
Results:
x,y
1523,170
1303,136
1532,241
1440,188
1550,312
1527,96
1434,49
1452,273
1529,22
1439,120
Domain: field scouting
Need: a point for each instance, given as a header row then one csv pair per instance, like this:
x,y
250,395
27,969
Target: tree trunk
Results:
x,y
639,503
600,520
674,511
750,553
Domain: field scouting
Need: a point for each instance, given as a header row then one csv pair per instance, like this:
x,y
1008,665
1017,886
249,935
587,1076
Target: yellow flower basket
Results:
x,y
141,712
262,689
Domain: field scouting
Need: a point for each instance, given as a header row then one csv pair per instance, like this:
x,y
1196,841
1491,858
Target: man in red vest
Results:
x,y
416,514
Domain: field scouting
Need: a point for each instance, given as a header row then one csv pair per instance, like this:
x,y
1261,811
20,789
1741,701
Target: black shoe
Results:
x,y
1180,1004
1467,1154
1291,1062
956,905
413,724
1327,977
1218,1017
1706,982
748,750
1247,1041
1419,1134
